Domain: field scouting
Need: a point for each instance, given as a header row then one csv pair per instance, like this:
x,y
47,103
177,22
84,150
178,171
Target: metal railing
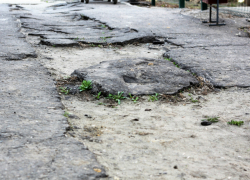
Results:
x,y
237,8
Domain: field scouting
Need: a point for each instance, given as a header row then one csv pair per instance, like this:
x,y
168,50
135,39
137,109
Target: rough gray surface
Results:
x,y
208,40
220,65
224,60
65,25
12,44
32,130
223,66
137,76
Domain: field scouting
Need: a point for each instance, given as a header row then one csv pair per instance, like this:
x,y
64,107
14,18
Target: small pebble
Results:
x,y
206,123
88,116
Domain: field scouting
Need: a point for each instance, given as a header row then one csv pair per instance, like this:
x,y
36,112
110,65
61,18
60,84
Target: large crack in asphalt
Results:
x,y
223,62
192,52
227,63
220,71
219,58
72,28
90,31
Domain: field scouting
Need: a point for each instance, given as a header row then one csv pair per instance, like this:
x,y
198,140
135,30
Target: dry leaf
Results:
x,y
98,170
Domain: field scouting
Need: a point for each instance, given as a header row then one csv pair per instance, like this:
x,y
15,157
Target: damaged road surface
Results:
x,y
205,51
136,76
66,25
12,44
32,130
154,136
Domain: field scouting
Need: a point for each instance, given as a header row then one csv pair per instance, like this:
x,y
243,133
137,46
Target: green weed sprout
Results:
x,y
98,95
212,119
66,114
133,98
64,90
117,97
237,123
86,85
153,97
168,59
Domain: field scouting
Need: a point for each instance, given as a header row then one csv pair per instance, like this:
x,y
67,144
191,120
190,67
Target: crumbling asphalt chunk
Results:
x,y
67,27
140,76
223,66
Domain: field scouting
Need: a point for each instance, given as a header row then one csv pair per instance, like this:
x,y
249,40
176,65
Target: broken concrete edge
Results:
x,y
135,37
74,89
84,17
68,43
18,57
172,43
179,65
97,87
196,74
72,43
94,170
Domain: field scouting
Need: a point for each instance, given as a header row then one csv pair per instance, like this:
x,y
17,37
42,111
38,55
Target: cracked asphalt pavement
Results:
x,y
214,53
32,132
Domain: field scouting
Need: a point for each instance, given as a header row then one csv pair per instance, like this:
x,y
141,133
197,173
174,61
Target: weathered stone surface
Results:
x,y
64,25
137,76
33,144
216,62
190,37
32,130
224,66
12,43
207,40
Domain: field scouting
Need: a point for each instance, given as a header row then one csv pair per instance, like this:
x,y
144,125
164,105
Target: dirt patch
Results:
x,y
162,139
136,136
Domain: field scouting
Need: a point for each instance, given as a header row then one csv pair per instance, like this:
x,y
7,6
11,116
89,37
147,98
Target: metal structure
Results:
x,y
181,3
210,2
203,6
153,2
239,8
